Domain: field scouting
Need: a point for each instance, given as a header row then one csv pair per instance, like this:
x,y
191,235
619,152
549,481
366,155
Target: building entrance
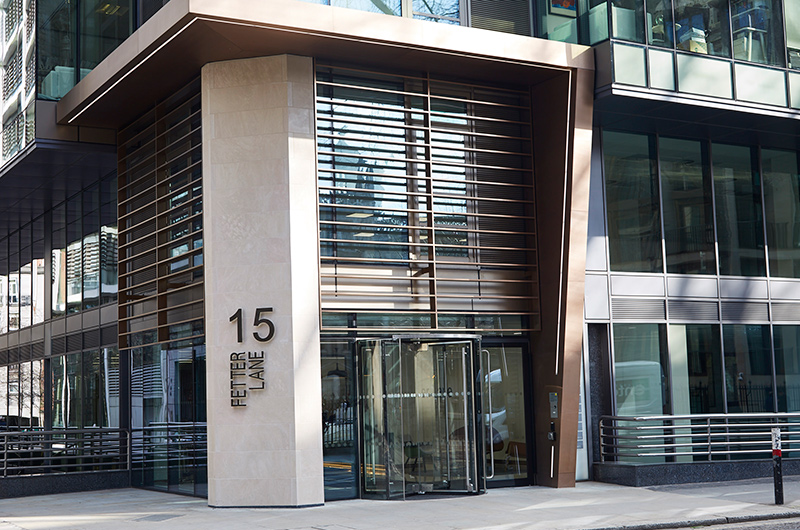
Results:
x,y
419,404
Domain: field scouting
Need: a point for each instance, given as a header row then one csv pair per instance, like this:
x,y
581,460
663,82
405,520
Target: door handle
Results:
x,y
488,384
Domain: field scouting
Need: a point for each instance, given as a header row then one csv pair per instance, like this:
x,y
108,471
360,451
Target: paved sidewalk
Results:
x,y
590,505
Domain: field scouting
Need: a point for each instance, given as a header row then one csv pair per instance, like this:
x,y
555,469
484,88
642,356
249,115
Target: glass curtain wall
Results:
x,y
705,368
698,224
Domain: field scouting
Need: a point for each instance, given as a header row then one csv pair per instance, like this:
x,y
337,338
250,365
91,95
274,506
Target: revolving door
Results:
x,y
419,409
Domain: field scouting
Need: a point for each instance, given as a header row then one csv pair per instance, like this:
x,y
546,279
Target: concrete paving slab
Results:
x,y
589,506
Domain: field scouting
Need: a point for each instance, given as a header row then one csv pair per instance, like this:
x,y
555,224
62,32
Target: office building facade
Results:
x,y
286,253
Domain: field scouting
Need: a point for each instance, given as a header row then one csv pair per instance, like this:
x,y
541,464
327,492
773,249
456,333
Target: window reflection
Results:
x,y
737,190
56,43
59,400
26,294
85,389
791,9
387,7
640,370
634,221
688,221
748,368
103,27
508,443
696,361
787,367
447,11
37,393
782,208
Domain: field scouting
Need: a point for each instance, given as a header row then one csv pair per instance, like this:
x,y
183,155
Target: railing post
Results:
x,y
708,437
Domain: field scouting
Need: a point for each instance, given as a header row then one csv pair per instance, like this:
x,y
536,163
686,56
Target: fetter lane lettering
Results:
x,y
247,374
248,367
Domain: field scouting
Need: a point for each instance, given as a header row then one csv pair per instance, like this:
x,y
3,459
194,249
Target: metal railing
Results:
x,y
174,445
36,452
687,438
338,428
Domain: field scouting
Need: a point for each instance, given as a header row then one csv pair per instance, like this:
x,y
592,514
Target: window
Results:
x,y
748,368
641,369
701,26
696,369
634,221
688,221
740,224
757,31
660,29
781,200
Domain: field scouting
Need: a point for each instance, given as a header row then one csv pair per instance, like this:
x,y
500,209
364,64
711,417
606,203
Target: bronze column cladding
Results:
x,y
562,148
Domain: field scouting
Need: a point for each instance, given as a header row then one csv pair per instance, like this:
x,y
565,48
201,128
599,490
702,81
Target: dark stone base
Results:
x,y
638,475
66,483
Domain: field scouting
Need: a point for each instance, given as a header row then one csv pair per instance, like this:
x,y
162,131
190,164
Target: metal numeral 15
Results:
x,y
258,320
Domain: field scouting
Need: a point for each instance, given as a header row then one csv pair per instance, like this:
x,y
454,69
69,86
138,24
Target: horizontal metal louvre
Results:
x,y
58,345
37,350
91,338
160,211
74,342
108,335
425,197
693,310
637,309
745,311
508,16
782,312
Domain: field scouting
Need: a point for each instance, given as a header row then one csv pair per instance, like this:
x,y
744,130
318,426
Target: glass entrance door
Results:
x,y
419,417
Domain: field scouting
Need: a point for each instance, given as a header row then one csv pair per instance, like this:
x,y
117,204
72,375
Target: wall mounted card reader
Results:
x,y
553,405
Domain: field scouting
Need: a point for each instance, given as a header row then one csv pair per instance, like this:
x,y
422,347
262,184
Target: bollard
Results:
x,y
777,465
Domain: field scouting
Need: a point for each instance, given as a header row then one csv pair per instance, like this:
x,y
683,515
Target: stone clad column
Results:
x,y
260,229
